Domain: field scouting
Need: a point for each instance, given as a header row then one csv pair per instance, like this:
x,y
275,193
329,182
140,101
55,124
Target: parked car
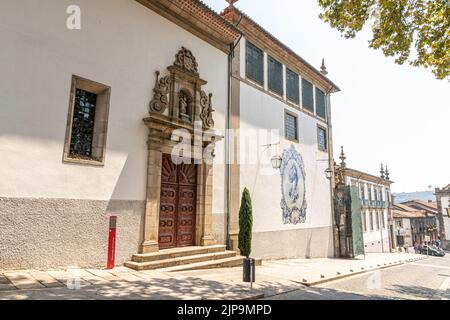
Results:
x,y
431,250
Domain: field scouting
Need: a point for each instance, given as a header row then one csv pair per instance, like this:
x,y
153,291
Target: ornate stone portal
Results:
x,y
180,103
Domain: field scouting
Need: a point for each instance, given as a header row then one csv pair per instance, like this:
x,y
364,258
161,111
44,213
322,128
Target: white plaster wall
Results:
x,y
121,44
374,238
261,111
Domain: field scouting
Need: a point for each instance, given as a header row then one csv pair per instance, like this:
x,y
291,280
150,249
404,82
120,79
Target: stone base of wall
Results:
x,y
218,227
58,233
299,243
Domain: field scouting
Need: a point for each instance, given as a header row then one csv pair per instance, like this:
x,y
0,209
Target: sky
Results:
x,y
385,113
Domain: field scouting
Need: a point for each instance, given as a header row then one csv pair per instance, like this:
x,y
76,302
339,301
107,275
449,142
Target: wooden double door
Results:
x,y
178,201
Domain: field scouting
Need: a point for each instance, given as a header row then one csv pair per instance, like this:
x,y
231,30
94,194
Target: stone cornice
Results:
x,y
367,177
198,19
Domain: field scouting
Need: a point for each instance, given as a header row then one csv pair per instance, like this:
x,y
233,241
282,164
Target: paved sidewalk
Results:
x,y
273,277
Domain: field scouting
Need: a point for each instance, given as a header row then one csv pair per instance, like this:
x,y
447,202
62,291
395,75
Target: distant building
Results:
x,y
429,226
413,225
443,214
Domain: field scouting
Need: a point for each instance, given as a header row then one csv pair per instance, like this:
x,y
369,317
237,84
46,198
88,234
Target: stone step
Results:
x,y
176,253
231,262
183,260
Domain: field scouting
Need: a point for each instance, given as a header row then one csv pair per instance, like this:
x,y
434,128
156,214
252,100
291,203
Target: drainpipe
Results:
x,y
228,142
332,180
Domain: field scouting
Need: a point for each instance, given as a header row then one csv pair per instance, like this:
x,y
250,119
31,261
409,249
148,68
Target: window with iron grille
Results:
x,y
307,95
292,86
320,104
275,69
291,126
322,138
87,122
255,63
83,124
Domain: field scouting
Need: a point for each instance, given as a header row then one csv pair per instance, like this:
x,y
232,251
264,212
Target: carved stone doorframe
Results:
x,y
182,90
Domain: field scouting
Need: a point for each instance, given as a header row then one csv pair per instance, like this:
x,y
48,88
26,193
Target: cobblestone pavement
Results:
x,y
420,280
273,278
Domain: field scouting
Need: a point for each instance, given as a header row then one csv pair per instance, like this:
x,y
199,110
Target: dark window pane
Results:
x,y
291,128
83,124
320,104
307,95
255,63
275,75
322,138
292,87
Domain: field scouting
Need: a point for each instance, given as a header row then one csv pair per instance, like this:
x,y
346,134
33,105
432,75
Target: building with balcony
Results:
x,y
374,193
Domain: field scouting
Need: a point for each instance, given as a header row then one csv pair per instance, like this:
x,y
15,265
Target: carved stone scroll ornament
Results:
x,y
207,110
160,99
186,60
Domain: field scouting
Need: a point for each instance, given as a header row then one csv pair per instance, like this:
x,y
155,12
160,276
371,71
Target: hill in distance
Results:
x,y
418,195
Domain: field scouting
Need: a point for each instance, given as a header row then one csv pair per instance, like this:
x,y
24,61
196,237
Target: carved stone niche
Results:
x,y
179,95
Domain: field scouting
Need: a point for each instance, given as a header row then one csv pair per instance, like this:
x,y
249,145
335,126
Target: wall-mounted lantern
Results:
x,y
328,173
276,162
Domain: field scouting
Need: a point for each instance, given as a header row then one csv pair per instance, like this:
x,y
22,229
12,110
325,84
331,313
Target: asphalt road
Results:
x,y
425,279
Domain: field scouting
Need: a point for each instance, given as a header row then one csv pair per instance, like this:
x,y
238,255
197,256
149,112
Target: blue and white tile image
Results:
x,y
293,189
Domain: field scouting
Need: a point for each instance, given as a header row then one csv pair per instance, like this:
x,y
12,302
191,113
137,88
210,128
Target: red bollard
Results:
x,y
112,242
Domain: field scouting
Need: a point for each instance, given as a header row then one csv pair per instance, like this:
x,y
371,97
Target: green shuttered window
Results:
x,y
292,86
255,63
307,95
320,104
275,76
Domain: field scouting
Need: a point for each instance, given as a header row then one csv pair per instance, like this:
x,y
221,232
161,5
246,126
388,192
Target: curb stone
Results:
x,y
353,273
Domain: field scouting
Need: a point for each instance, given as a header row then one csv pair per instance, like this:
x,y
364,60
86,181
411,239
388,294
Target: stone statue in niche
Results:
x,y
184,106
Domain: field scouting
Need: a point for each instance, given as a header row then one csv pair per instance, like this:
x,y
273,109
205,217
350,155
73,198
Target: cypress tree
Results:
x,y
245,224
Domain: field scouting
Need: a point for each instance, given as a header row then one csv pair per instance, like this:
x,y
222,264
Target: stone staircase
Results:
x,y
187,258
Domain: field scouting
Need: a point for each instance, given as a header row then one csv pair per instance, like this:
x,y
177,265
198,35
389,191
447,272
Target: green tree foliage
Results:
x,y
245,224
417,31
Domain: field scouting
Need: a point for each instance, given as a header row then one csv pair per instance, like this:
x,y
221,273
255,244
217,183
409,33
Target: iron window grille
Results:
x,y
291,126
322,138
83,124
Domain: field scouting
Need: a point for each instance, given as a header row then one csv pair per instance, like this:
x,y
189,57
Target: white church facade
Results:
x,y
91,117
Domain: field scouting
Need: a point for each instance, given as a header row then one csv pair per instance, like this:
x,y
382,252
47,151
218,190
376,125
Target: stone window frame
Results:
x,y
295,116
103,93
